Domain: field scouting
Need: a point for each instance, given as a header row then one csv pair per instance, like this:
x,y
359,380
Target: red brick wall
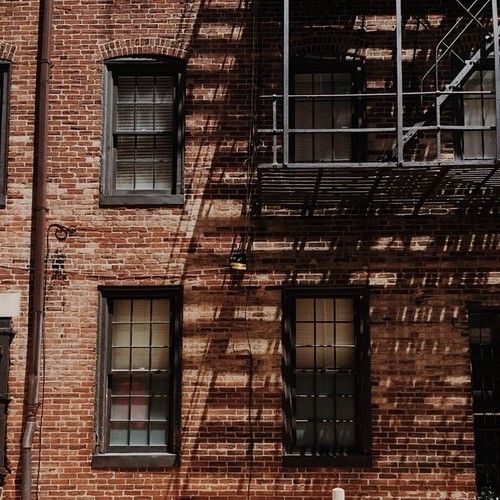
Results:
x,y
421,271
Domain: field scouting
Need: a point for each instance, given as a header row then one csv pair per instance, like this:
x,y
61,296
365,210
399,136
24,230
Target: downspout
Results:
x,y
38,246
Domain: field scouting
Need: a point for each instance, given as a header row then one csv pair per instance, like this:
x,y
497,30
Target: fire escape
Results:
x,y
425,138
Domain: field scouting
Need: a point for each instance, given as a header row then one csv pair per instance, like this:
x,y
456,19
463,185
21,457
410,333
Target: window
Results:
x,y
143,132
5,339
326,378
138,370
485,363
4,111
479,111
326,112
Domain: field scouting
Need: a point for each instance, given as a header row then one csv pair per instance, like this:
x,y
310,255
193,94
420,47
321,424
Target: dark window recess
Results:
x,y
315,79
485,362
478,110
143,133
138,392
5,338
326,378
4,115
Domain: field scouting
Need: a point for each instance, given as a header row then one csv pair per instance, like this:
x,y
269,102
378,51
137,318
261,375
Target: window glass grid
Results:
x,y
484,338
324,403
143,132
138,378
479,110
322,113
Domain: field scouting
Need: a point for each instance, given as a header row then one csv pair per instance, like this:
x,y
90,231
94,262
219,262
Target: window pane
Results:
x,y
159,383
119,408
120,384
161,310
121,335
345,408
121,310
304,382
120,358
139,408
159,358
344,334
304,357
304,309
344,383
139,384
305,435
325,408
324,333
304,333
326,435
325,357
141,311
138,433
344,309
345,357
140,359
118,435
346,435
159,408
325,384
145,89
324,309
140,334
304,408
160,335
158,434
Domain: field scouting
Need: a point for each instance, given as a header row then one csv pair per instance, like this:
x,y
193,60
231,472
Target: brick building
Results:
x,y
360,346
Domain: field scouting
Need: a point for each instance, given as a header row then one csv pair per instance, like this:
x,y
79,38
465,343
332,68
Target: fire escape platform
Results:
x,y
379,187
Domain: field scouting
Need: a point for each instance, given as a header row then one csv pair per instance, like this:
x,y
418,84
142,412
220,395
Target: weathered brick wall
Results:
x,y
421,271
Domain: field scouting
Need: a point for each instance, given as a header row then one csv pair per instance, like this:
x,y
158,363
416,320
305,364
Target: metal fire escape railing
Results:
x,y
404,134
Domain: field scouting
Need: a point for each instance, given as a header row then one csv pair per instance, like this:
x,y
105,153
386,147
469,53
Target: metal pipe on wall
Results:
x,y
38,246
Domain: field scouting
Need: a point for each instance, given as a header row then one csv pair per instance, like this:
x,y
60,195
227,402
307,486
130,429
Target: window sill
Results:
x,y
326,461
141,200
134,460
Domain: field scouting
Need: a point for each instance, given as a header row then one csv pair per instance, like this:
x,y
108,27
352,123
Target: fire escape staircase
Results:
x,y
429,114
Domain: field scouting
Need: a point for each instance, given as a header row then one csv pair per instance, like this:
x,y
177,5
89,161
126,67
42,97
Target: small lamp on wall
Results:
x,y
338,494
238,260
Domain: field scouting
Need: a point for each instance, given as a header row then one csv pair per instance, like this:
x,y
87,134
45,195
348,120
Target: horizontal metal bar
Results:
x,y
142,132
450,127
340,130
383,94
374,130
423,165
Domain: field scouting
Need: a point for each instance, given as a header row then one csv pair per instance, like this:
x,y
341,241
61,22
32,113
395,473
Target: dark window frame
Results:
x,y
358,82
110,196
483,375
487,64
4,128
6,336
292,457
106,456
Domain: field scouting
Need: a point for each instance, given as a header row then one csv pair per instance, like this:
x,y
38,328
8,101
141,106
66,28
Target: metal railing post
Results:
x,y
399,78
286,83
496,50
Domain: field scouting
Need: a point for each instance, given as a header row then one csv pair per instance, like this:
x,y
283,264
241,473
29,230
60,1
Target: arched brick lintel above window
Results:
x,y
141,46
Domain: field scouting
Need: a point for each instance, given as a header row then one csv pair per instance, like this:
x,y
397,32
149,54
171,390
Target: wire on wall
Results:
x,y
61,233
